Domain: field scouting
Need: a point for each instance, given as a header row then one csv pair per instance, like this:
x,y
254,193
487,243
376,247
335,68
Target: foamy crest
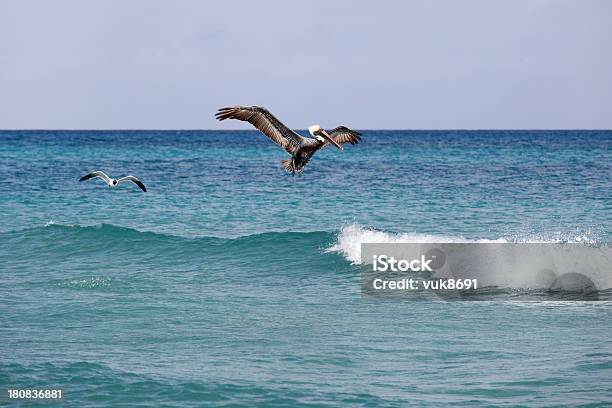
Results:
x,y
352,236
492,266
555,238
51,223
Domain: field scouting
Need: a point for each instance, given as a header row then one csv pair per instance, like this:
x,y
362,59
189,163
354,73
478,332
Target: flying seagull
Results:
x,y
114,182
300,148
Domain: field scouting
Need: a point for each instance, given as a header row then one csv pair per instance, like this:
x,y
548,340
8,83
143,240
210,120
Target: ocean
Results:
x,y
233,283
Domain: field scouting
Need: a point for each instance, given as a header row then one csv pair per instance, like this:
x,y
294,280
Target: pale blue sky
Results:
x,y
365,64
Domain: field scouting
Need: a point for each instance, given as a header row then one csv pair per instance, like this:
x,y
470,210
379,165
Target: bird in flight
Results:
x,y
300,148
113,182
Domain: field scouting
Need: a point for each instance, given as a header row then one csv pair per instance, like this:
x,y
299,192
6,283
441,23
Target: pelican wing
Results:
x,y
96,174
134,180
342,135
265,122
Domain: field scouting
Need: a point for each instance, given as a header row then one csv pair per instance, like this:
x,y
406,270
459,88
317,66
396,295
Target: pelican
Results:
x,y
300,148
113,182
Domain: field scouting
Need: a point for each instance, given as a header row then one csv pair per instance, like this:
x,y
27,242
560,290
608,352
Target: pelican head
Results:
x,y
322,136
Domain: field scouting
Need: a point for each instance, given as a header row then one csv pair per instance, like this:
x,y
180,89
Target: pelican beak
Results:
x,y
330,139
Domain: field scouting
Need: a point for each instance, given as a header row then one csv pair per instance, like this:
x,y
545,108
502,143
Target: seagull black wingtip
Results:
x,y
142,186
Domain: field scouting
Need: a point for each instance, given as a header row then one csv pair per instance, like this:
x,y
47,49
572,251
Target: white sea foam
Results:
x,y
51,223
352,236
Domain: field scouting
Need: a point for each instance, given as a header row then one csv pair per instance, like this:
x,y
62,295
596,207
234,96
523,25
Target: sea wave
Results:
x,y
350,238
496,267
346,242
77,246
55,240
105,230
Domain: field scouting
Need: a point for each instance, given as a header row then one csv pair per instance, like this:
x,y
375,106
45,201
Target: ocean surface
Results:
x,y
232,283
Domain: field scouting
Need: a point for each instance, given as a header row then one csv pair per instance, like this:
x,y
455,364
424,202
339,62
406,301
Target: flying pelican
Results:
x,y
113,182
300,148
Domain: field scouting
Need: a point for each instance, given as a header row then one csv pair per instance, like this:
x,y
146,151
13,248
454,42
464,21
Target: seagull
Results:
x,y
300,148
114,182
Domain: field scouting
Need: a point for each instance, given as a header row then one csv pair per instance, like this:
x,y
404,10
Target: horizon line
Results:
x,y
298,129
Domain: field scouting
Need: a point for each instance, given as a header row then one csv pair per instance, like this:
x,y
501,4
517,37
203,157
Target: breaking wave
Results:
x,y
351,237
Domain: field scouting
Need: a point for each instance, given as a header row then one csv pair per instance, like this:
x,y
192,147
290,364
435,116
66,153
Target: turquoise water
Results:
x,y
231,283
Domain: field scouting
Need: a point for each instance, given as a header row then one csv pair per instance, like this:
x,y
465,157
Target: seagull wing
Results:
x,y
96,174
134,180
342,135
266,123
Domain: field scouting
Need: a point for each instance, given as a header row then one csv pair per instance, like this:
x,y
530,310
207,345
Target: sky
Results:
x,y
490,64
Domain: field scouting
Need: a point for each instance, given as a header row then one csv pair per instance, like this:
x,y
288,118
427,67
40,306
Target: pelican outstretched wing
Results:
x,y
266,123
134,180
342,135
100,174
